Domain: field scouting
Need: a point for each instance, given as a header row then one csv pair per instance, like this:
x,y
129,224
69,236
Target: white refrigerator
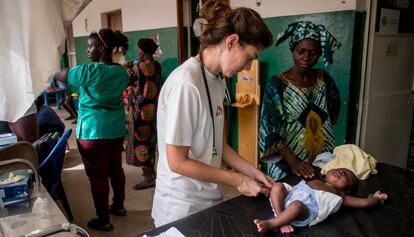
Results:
x,y
388,101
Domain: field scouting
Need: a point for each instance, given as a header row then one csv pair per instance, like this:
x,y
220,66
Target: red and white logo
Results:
x,y
219,111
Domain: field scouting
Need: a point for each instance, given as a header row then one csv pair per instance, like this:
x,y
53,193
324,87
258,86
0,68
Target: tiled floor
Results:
x,y
138,203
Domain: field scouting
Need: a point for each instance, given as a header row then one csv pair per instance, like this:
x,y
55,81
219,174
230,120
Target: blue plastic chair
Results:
x,y
51,169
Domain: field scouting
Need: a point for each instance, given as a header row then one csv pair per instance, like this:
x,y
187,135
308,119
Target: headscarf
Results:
x,y
307,30
147,45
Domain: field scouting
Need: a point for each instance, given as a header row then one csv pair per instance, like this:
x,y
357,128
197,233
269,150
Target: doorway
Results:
x,y
187,12
112,20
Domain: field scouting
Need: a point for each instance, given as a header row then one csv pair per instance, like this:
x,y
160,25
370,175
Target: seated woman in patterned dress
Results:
x,y
300,105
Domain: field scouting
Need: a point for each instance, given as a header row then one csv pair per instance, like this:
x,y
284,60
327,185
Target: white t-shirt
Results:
x,y
183,119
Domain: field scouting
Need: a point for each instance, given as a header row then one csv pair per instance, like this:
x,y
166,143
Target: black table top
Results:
x,y
234,218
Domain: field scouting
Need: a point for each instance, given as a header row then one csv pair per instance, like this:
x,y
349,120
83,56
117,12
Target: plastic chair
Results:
x,y
21,155
58,93
51,169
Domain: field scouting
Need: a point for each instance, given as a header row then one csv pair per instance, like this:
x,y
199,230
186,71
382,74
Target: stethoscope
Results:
x,y
227,99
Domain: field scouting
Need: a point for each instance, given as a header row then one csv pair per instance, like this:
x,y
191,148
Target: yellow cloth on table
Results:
x,y
351,157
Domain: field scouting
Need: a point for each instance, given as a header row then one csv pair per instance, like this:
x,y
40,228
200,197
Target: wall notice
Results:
x,y
389,21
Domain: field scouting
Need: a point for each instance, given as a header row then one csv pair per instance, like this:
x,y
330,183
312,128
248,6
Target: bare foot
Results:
x,y
262,225
287,229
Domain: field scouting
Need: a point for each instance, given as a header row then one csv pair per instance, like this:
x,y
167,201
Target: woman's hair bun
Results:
x,y
213,10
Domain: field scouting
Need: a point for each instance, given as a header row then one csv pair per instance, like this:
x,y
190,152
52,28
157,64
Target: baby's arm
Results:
x,y
371,200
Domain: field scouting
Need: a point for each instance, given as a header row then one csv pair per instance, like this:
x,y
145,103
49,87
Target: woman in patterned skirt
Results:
x,y
142,96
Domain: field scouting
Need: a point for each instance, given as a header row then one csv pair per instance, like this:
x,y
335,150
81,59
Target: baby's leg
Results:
x,y
296,210
277,197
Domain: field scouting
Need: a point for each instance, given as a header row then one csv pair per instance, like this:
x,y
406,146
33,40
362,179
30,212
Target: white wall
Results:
x,y
136,15
154,14
273,8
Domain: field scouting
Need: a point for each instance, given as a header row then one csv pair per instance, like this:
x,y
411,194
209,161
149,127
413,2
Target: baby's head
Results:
x,y
342,179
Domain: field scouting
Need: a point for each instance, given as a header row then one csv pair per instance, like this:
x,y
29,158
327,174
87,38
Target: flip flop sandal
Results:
x,y
97,224
144,185
117,212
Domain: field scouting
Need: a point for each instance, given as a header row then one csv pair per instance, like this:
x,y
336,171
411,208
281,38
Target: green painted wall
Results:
x,y
81,44
343,26
168,44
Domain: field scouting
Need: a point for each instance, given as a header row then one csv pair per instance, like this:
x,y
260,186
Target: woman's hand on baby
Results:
x,y
249,186
260,177
302,168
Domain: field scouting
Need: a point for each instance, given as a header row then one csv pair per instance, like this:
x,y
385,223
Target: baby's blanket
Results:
x,y
353,158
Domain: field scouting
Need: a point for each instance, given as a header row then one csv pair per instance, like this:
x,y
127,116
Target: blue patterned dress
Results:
x,y
299,118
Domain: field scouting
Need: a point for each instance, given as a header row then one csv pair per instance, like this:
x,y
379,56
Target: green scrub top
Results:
x,y
101,112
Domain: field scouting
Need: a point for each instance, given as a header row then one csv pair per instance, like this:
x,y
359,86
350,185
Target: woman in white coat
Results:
x,y
190,117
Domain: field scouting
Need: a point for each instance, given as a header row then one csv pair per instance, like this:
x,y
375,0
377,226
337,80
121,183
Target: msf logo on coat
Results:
x,y
219,111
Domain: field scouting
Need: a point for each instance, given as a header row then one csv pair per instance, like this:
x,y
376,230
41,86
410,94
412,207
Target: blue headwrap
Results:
x,y
307,30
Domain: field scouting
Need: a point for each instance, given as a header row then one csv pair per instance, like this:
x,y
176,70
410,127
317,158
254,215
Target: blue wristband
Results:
x,y
373,196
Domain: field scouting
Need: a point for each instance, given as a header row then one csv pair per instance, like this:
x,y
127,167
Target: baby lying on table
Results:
x,y
309,203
